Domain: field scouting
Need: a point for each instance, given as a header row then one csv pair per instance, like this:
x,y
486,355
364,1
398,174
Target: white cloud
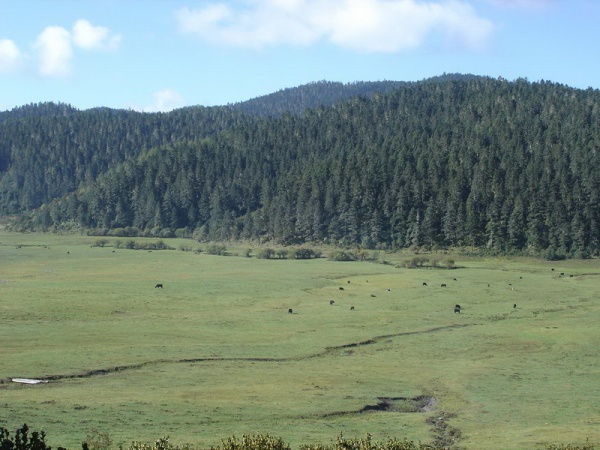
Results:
x,y
10,56
165,100
90,37
54,45
365,25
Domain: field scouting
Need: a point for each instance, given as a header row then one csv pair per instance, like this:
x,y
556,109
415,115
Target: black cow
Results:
x,y
290,311
159,285
352,308
457,309
424,284
443,285
348,281
515,305
341,288
331,302
372,295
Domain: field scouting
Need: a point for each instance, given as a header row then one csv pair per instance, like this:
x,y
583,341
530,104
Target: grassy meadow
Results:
x,y
216,353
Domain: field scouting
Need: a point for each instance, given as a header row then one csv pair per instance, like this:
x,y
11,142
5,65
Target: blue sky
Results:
x,y
156,55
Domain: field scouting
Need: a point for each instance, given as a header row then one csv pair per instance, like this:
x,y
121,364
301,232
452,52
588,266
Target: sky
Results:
x,y
159,55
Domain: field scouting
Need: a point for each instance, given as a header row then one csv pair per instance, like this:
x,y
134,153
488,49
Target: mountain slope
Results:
x,y
513,166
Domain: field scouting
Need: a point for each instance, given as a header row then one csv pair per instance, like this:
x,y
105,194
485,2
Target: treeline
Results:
x,y
505,166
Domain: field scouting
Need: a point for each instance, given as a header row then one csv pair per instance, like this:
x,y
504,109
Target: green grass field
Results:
x,y
215,353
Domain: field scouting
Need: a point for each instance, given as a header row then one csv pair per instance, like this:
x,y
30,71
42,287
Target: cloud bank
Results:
x,y
363,25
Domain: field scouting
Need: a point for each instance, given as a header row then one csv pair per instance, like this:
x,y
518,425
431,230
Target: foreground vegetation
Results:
x,y
216,352
96,440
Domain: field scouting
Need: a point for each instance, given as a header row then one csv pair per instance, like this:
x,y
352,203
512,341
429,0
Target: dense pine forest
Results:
x,y
506,166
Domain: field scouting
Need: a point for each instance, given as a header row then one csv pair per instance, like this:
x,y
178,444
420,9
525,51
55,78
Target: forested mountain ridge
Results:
x,y
327,93
48,150
323,93
503,165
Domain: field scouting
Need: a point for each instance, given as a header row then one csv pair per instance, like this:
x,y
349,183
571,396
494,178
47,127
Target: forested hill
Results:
x,y
327,93
323,93
503,165
48,150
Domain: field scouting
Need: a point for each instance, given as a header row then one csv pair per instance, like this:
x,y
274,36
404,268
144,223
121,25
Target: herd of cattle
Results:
x,y
457,307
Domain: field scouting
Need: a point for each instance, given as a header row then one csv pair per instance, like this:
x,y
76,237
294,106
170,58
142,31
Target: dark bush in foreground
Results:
x,y
23,441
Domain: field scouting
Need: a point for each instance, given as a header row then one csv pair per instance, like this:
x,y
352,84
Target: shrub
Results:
x,y
256,442
304,253
450,264
340,255
101,242
266,253
216,249
23,441
282,253
97,440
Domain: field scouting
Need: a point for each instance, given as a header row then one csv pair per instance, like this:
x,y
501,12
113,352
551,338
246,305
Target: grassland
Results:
x,y
216,353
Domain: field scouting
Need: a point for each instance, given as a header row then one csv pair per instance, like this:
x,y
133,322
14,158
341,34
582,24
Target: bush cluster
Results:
x,y
353,255
288,253
424,261
130,244
216,249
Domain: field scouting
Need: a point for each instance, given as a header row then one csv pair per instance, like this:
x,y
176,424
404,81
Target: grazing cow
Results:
x,y
372,295
159,285
454,279
424,284
352,308
389,290
348,281
570,276
443,285
290,311
514,306
341,288
562,274
331,302
552,269
457,309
